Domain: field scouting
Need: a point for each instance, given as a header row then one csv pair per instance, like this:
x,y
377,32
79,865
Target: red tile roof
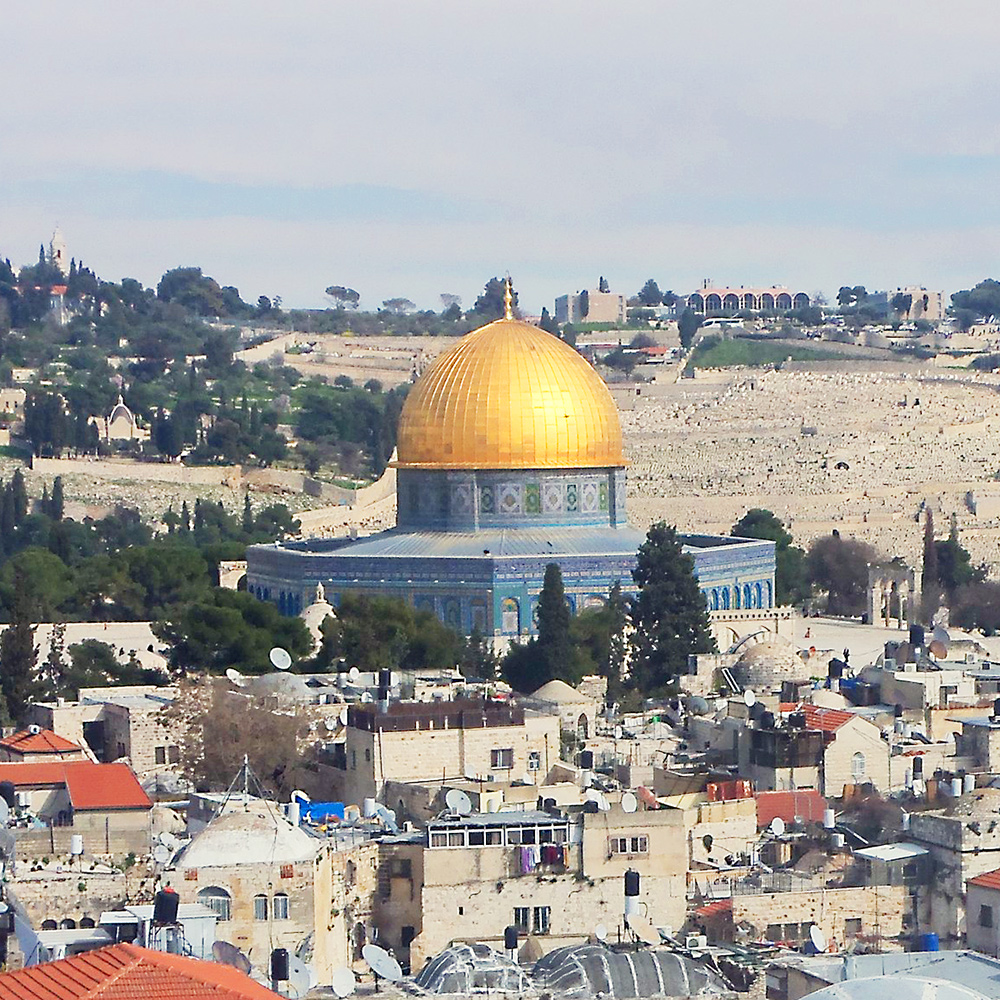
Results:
x,y
128,972
829,720
90,785
991,880
715,908
44,741
808,804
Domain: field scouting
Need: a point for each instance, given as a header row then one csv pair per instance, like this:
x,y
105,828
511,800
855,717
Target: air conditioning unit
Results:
x,y
694,942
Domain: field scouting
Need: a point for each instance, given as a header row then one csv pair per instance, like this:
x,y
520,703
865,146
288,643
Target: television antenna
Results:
x,y
280,658
629,802
458,801
382,963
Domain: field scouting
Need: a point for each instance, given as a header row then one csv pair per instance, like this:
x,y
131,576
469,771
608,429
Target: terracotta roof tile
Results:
x,y
991,880
90,785
829,720
128,972
808,804
44,741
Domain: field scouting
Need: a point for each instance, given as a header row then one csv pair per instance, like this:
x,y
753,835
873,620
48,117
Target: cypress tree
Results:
x,y
930,550
555,649
247,514
56,503
19,495
18,655
669,613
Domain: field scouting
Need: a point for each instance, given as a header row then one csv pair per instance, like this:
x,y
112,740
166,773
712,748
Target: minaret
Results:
x,y
58,252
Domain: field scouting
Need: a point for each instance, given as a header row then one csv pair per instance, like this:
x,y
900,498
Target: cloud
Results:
x,y
443,143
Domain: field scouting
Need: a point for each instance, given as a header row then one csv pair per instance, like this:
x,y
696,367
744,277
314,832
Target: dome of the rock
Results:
x,y
510,396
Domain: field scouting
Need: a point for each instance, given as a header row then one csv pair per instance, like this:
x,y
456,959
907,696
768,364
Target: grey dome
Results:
x,y
765,665
472,968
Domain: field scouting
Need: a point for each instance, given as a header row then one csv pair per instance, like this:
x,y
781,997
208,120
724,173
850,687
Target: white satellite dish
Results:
x,y
343,982
161,854
169,841
777,826
601,932
342,718
367,697
235,677
382,963
300,978
4,812
644,931
353,674
818,938
629,802
330,725
749,698
457,801
280,658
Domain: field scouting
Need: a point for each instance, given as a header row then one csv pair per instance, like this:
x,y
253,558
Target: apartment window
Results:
x,y
522,918
354,759
985,916
638,844
534,761
852,927
160,755
502,758
260,907
216,898
541,917
280,904
173,754
858,765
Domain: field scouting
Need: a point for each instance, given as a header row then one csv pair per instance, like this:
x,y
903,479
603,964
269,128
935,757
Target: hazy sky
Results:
x,y
409,149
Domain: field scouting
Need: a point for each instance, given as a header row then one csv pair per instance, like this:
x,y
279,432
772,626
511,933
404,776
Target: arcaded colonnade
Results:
x,y
714,301
893,594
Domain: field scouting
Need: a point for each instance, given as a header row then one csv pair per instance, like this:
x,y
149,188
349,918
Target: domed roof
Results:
x,y
561,693
256,835
509,396
768,663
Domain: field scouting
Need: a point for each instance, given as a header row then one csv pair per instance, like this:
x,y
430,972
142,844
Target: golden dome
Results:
x,y
509,396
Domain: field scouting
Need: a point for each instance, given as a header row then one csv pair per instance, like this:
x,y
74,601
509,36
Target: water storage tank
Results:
x,y
631,882
369,808
76,845
969,783
929,942
836,840
829,819
956,787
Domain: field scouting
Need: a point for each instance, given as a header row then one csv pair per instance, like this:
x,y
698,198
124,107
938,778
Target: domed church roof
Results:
x,y
510,396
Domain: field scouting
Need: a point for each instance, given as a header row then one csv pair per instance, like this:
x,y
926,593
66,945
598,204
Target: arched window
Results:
x,y
49,925
217,899
858,766
260,907
767,594
758,594
68,924
510,619
736,597
715,598
87,922
280,906
725,598
746,596
582,727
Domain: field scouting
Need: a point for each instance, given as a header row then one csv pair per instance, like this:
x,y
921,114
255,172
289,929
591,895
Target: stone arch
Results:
x,y
768,594
715,599
725,598
731,302
697,302
783,301
758,595
737,598
801,300
713,302
767,301
218,899
583,727
747,602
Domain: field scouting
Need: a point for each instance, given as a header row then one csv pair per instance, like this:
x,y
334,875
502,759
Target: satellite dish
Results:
x,y
161,854
698,705
644,931
228,954
4,812
169,841
749,698
818,938
382,963
601,932
343,982
457,801
280,658
777,826
330,725
937,649
353,674
629,802
367,697
941,634
300,977
342,718
235,677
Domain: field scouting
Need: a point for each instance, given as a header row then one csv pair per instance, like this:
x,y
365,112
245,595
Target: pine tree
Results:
x,y
668,614
18,655
19,495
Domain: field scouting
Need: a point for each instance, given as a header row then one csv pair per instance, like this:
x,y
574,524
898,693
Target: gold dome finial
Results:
x,y
508,299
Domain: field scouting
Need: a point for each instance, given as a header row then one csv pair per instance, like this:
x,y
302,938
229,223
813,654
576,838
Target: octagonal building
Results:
x,y
509,458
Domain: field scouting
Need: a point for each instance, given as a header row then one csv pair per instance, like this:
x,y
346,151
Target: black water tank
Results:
x,y
279,965
897,711
767,720
797,720
549,805
631,882
916,635
510,938
835,668
165,905
591,807
8,793
918,767
587,760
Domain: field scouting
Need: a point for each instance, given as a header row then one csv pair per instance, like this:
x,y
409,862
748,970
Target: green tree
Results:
x,y
838,567
668,614
229,628
790,586
189,288
553,646
57,501
19,681
490,304
650,294
343,297
954,565
687,326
